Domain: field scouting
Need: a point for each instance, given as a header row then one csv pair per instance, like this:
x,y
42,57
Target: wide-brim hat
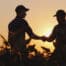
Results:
x,y
60,13
21,8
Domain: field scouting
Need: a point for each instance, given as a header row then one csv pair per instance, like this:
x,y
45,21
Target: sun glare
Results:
x,y
48,33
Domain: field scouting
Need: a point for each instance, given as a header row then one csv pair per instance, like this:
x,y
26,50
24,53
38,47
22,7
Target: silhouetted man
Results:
x,y
58,34
17,29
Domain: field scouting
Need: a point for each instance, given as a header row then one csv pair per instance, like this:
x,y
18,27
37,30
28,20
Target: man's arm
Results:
x,y
31,33
51,37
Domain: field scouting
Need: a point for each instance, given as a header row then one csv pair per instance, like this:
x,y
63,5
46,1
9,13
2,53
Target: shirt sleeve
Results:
x,y
28,29
30,32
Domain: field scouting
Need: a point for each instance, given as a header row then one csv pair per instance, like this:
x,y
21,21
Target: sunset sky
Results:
x,y
40,16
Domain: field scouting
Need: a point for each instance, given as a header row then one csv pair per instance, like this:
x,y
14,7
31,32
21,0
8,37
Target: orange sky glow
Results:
x,y
40,17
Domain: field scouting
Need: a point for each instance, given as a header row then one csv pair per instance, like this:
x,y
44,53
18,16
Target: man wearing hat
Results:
x,y
17,29
58,34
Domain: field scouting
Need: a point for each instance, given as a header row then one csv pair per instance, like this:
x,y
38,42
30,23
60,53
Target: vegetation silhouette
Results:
x,y
11,56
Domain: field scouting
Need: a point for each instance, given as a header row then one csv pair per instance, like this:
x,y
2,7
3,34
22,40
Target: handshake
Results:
x,y
43,38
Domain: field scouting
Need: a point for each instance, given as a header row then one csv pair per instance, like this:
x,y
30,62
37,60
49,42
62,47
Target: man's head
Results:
x,y
21,10
60,15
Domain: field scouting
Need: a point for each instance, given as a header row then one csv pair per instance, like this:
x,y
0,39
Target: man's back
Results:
x,y
17,29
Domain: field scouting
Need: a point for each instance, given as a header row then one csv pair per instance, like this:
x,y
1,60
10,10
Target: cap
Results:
x,y
60,13
20,8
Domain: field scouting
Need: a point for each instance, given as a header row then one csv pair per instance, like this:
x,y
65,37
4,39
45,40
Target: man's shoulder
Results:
x,y
56,26
11,22
22,22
